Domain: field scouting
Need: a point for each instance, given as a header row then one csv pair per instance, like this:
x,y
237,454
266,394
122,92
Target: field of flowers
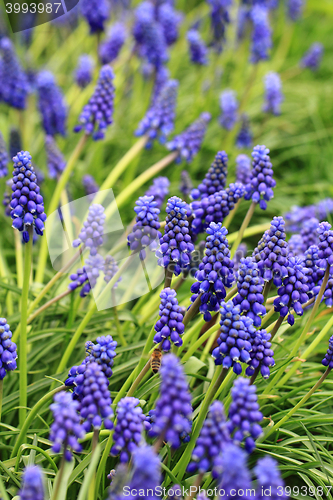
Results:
x,y
166,252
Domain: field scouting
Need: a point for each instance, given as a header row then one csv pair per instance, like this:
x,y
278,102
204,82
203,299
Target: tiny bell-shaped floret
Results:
x,y
8,354
260,190
261,354
127,435
215,179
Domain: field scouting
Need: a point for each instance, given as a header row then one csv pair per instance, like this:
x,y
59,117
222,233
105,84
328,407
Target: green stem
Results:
x,y
1,397
116,318
243,227
59,479
267,288
105,456
62,182
195,487
277,325
193,310
18,258
23,336
138,379
48,304
196,345
168,277
3,491
229,218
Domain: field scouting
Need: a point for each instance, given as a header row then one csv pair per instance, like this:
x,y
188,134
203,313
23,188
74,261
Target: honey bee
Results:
x,y
155,360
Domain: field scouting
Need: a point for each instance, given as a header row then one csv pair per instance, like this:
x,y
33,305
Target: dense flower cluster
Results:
x,y
294,8
32,484
229,108
312,58
66,428
102,353
128,431
97,115
212,439
7,196
234,342
173,412
243,169
84,70
188,143
91,234
244,416
110,269
260,190
250,287
268,476
27,203
176,243
309,232
219,15
272,252
273,93
296,244
244,137
87,276
325,244
90,185
215,179
311,262
109,50
328,359
261,34
51,104
55,161
13,81
235,476
169,327
8,354
159,120
159,189
215,271
146,229
197,47
169,20
96,13
261,354
4,159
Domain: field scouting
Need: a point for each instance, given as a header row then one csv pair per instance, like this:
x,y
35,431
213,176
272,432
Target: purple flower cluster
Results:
x,y
4,159
176,243
219,15
51,104
234,342
97,115
215,179
159,189
7,196
198,49
66,429
294,9
328,359
170,326
128,431
32,484
110,269
188,143
173,412
109,50
213,437
159,119
215,271
243,169
169,20
273,93
84,71
309,232
296,244
325,244
55,161
27,203
229,108
261,354
8,354
312,58
260,190
311,262
90,186
250,287
145,231
235,476
269,479
244,416
91,234
13,81
244,138
96,13
261,34
87,276
102,353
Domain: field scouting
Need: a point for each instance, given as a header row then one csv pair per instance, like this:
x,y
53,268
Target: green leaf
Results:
x,y
61,481
89,474
193,365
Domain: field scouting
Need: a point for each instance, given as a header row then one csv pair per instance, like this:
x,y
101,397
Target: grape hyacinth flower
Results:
x,y
294,9
215,271
244,138
250,287
244,415
51,104
8,354
260,190
309,232
146,476
311,262
213,437
235,476
97,115
273,94
95,406
96,13
145,231
186,185
294,290
215,207
55,161
325,245
296,245
84,71
240,253
90,186
109,50
269,479
312,58
328,359
127,434
102,353
13,80
91,234
169,327
243,169
261,34
4,159
160,118
173,412
32,484
272,251
27,203
261,354
15,142
7,196
176,244
323,208
188,143
66,429
229,108
110,269
215,179
234,342
198,49
297,216
219,15
169,20
87,276
159,189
